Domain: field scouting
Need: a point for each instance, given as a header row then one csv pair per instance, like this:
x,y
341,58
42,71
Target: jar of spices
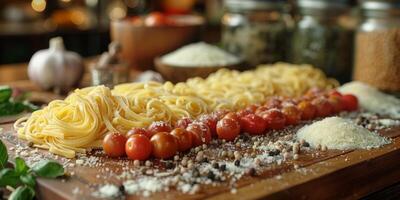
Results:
x,y
377,46
323,37
256,30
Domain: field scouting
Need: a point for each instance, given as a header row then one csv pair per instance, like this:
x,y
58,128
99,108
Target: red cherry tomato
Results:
x,y
183,123
273,103
252,108
334,93
350,102
274,118
138,147
228,129
201,133
292,114
232,115
155,19
337,103
211,122
220,114
184,138
324,108
307,110
164,144
244,112
253,124
114,144
159,126
140,131
314,92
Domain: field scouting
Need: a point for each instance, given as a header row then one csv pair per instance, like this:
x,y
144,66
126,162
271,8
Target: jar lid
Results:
x,y
324,4
380,7
254,4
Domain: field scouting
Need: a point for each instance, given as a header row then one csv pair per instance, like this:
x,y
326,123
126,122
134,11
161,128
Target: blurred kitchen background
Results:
x,y
27,25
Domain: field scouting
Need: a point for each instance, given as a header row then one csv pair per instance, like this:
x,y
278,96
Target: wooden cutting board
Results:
x,y
331,175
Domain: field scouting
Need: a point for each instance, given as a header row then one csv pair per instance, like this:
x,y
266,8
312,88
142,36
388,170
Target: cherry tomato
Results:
x,y
220,114
337,103
183,123
141,131
184,138
307,110
350,102
159,126
274,118
211,122
261,110
292,114
244,112
164,144
138,147
232,115
228,129
314,92
201,133
253,124
252,108
155,19
334,93
273,103
114,144
324,108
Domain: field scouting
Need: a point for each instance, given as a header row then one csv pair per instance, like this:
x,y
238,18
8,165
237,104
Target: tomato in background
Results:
x,y
184,138
292,114
114,144
183,123
274,118
211,122
138,147
324,108
159,126
308,110
350,102
201,133
253,124
164,144
141,131
228,129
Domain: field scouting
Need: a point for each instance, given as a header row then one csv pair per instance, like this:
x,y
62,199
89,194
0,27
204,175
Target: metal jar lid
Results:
x,y
380,7
241,5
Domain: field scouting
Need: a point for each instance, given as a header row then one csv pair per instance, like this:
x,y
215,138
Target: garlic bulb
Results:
x,y
55,68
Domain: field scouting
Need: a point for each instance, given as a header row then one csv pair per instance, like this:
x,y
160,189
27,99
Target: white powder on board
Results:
x,y
372,99
199,54
339,133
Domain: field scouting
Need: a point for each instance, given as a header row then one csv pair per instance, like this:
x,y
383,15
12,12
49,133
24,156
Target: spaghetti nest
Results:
x,y
79,122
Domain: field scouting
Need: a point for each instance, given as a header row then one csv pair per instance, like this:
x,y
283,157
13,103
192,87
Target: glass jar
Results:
x,y
323,37
256,30
377,46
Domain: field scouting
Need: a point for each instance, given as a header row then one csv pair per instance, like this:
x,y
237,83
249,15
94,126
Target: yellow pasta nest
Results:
x,y
65,127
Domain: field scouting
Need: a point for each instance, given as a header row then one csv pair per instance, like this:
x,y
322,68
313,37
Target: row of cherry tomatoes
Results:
x,y
163,141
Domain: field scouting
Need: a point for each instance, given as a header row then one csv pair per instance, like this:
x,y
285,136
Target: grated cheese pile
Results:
x,y
339,133
372,99
199,54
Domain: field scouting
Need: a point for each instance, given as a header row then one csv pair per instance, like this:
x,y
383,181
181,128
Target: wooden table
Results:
x,y
350,175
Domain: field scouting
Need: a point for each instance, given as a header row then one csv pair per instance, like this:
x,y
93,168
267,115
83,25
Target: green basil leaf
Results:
x,y
3,155
20,166
9,177
28,179
5,93
22,193
48,169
